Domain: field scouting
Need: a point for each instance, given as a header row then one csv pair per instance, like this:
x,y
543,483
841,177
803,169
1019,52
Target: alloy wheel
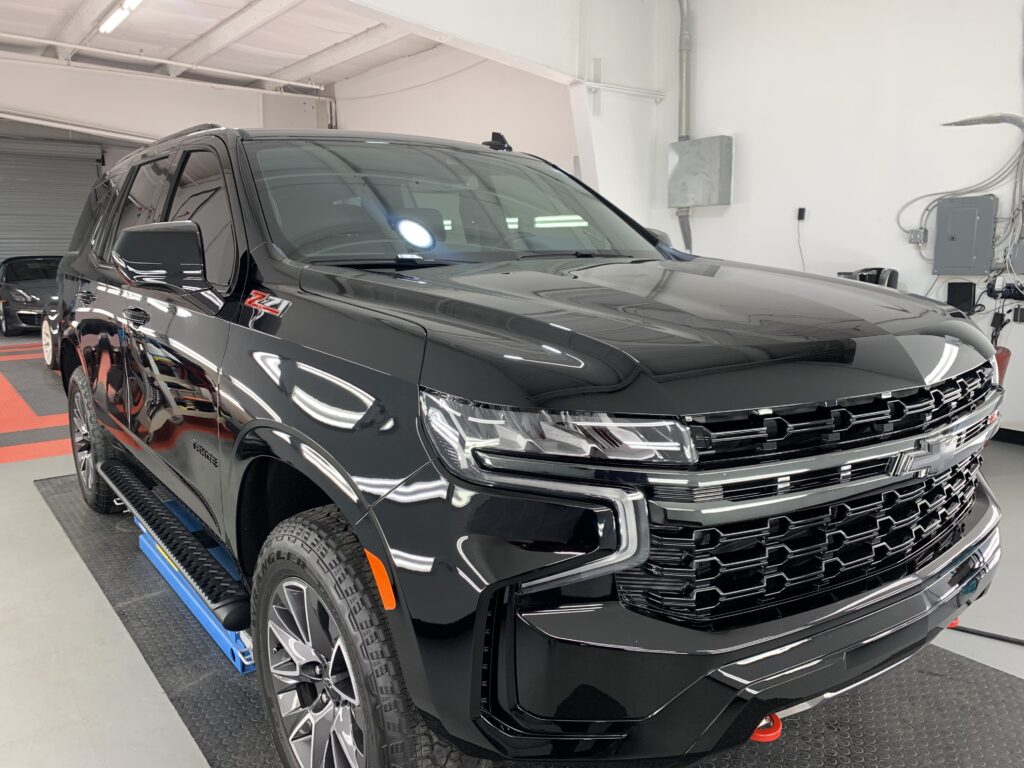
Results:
x,y
81,441
47,344
3,322
313,680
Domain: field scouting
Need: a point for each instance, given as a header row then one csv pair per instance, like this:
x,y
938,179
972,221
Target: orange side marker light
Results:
x,y
769,730
380,575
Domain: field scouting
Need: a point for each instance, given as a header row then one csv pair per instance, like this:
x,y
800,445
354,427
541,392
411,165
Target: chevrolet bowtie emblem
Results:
x,y
930,456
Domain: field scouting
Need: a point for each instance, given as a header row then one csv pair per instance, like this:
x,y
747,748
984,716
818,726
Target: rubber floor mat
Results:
x,y
220,708
938,710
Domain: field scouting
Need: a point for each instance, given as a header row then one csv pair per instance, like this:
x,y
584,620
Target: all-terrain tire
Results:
x,y
318,548
82,413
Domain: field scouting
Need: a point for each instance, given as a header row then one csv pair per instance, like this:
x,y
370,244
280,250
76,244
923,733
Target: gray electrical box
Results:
x,y
965,234
700,172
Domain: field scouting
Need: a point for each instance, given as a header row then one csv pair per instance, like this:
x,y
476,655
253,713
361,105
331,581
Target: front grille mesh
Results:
x,y
715,577
744,437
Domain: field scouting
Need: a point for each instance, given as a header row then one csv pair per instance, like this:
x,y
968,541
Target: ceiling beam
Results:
x,y
248,19
364,42
81,25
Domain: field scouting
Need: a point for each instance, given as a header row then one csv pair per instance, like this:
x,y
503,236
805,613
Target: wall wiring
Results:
x,y
800,245
1009,232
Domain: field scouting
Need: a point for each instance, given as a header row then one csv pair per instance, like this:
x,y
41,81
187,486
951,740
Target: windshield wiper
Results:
x,y
571,255
396,263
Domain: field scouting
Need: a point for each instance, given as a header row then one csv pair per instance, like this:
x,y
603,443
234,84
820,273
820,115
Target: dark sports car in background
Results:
x,y
27,284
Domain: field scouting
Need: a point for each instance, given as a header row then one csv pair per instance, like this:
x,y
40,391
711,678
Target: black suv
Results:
x,y
501,474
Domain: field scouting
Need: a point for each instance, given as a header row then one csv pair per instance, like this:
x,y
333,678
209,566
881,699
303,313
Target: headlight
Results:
x,y
22,297
459,429
995,369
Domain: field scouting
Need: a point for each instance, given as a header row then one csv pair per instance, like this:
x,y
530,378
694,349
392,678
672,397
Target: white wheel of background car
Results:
x,y
47,339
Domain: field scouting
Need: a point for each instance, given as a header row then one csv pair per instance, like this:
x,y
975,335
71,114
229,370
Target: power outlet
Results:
x,y
918,236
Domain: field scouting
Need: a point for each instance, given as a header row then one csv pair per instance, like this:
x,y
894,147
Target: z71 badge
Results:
x,y
264,302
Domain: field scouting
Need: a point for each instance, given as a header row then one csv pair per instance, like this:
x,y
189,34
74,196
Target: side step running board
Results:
x,y
225,597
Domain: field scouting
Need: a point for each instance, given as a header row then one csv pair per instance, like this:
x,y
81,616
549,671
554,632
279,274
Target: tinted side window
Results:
x,y
144,203
202,198
96,203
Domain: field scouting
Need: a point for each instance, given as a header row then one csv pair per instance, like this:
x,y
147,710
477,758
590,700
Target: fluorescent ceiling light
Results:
x,y
113,20
119,14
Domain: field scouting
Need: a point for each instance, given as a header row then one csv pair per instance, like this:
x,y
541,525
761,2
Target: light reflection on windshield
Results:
x,y
338,200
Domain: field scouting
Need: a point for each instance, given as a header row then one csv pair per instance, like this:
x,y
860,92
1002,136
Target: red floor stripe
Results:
x,y
30,356
29,451
34,345
8,425
17,416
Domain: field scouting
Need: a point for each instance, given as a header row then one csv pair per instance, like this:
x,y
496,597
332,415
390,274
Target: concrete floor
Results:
x,y
78,692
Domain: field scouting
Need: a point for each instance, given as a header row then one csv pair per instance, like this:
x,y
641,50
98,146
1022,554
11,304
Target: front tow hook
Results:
x,y
769,730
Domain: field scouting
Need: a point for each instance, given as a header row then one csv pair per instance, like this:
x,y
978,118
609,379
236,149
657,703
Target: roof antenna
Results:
x,y
498,141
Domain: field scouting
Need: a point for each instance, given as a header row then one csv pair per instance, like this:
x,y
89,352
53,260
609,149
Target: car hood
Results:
x,y
661,336
44,290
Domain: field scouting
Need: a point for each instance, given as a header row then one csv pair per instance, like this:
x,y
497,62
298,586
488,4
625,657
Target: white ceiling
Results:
x,y
252,37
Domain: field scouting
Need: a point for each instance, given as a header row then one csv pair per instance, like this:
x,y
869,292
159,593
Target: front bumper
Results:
x,y
23,318
593,680
716,687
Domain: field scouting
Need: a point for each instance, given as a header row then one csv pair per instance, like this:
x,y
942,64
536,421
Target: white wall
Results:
x,y
452,94
535,89
837,107
624,137
538,36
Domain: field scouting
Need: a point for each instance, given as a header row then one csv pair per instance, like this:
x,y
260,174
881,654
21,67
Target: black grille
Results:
x,y
742,437
716,577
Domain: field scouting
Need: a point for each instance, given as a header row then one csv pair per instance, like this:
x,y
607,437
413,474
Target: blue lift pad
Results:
x,y
231,643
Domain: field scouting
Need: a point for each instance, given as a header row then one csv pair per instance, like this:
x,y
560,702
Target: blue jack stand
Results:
x,y
237,646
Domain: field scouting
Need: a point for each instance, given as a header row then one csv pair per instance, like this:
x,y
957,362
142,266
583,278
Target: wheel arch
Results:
x,y
277,472
69,357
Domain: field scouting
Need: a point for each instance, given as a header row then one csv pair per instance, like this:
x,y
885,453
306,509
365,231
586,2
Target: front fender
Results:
x,y
272,439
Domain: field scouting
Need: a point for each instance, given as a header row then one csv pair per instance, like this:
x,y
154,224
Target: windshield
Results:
x,y
348,200
32,269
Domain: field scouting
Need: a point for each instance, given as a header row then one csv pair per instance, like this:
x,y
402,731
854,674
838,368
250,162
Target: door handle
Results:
x,y
85,297
136,316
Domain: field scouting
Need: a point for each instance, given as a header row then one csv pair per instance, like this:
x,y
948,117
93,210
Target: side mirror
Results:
x,y
662,236
168,254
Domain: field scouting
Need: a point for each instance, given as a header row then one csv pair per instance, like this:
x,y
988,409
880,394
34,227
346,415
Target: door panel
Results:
x,y
173,353
91,298
96,308
175,345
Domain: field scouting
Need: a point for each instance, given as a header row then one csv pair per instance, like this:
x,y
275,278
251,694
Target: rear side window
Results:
x,y
201,197
99,199
144,203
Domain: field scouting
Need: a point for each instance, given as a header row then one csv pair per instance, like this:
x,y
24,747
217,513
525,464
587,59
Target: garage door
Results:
x,y
43,186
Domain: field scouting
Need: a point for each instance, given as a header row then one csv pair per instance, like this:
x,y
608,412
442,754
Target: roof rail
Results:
x,y
192,129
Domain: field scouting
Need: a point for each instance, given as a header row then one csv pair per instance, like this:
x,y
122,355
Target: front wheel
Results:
x,y
4,330
328,671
